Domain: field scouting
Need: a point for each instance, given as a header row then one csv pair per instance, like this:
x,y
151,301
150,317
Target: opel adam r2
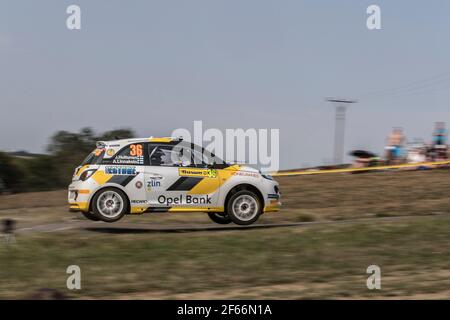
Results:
x,y
136,176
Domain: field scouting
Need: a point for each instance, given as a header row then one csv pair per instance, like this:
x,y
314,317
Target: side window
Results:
x,y
169,156
182,155
131,154
205,159
201,158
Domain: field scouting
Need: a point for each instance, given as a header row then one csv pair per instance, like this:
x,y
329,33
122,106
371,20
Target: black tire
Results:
x,y
119,205
237,211
90,216
220,218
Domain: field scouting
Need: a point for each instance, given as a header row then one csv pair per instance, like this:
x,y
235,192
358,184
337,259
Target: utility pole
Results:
x,y
339,127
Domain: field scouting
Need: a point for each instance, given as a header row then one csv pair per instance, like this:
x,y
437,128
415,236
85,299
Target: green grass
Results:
x,y
349,196
318,261
303,262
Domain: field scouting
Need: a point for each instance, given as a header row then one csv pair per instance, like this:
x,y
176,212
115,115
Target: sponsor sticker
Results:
x,y
153,183
138,184
110,152
206,173
120,170
123,159
246,174
139,201
98,151
184,199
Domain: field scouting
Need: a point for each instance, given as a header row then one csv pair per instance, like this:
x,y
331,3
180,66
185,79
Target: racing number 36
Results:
x,y
136,150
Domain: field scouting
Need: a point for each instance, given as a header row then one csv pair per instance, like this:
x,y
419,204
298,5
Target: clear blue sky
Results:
x,y
155,66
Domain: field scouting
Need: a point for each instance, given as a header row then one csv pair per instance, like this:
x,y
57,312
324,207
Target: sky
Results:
x,y
155,66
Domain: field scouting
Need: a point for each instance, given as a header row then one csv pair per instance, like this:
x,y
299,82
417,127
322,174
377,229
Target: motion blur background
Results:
x,y
145,68
155,66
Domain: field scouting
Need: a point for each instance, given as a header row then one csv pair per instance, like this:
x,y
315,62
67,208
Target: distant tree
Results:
x,y
64,141
117,134
2,186
10,174
66,151
69,149
43,174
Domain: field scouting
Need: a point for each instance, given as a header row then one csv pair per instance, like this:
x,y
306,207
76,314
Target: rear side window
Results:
x,y
95,157
131,154
167,156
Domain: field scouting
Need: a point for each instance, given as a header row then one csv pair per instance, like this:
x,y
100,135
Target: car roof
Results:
x,y
124,142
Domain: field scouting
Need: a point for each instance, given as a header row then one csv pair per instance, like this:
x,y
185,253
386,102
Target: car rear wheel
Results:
x,y
110,204
244,207
220,218
90,216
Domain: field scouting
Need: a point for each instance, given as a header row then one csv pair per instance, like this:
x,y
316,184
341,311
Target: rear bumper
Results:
x,y
79,206
78,197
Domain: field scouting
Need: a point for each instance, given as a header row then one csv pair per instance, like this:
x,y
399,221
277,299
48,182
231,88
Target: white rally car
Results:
x,y
135,176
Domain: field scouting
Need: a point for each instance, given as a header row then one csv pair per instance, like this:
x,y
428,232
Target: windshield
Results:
x,y
95,157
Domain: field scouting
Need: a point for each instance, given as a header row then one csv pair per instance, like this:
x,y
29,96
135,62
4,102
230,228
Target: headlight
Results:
x,y
267,176
87,174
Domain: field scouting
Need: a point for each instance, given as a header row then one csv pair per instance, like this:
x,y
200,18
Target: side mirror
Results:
x,y
216,165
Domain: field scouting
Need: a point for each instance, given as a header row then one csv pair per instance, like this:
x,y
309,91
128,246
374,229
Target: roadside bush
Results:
x,y
54,170
10,174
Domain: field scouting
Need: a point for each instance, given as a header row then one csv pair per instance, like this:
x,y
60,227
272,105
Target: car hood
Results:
x,y
248,169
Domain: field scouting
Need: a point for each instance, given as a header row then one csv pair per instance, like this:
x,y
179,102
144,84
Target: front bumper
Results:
x,y
273,200
273,205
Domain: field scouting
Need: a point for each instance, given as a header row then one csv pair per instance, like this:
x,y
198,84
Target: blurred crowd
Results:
x,y
399,150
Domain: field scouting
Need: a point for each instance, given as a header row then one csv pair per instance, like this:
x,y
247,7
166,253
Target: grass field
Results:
x,y
323,260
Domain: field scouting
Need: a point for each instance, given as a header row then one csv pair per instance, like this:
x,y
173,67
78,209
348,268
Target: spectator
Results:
x,y
364,159
394,148
417,155
439,143
440,134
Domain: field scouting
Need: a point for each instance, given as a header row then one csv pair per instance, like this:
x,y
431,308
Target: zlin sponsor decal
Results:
x,y
153,183
119,170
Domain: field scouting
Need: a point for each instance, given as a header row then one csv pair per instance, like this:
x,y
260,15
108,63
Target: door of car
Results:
x,y
175,179
126,168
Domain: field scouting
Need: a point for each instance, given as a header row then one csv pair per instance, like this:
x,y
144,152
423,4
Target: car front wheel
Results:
x,y
110,204
244,207
220,218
